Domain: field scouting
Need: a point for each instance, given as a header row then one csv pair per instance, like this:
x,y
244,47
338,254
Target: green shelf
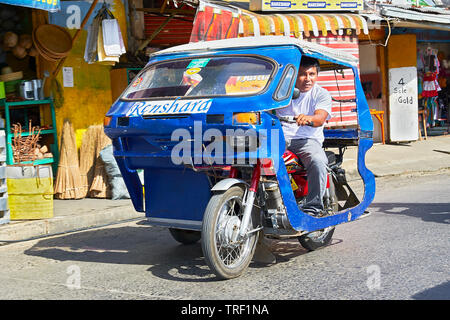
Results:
x,y
27,102
25,134
53,147
36,162
49,131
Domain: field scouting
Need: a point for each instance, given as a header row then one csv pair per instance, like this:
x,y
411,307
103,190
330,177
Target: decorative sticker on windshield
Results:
x,y
192,80
246,84
169,107
198,63
137,82
192,71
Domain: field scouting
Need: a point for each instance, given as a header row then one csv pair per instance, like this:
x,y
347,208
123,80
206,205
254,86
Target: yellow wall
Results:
x,y
401,51
87,102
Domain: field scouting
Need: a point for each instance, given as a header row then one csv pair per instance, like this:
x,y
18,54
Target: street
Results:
x,y
399,251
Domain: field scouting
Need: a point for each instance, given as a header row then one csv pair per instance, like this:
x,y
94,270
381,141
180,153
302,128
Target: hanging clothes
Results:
x,y
430,86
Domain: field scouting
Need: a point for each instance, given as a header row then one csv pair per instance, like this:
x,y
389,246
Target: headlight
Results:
x,y
246,118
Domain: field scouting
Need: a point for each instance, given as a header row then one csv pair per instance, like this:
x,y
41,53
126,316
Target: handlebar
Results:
x,y
291,119
343,100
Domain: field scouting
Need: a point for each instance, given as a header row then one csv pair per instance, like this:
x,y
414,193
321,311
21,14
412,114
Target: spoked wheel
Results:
x,y
225,253
316,239
320,238
185,236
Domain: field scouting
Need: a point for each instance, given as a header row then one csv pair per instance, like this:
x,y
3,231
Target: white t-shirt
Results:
x,y
306,103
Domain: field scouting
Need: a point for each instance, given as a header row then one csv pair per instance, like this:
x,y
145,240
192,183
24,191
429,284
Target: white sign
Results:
x,y
403,104
74,19
68,77
169,107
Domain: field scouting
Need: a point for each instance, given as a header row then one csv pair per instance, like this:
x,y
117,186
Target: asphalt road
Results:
x,y
400,251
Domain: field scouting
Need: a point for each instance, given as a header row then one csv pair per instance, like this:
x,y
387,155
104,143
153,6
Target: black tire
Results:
x,y
222,217
320,238
316,239
185,236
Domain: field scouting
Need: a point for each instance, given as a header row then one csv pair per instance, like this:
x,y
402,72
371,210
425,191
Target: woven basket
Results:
x,y
11,76
52,40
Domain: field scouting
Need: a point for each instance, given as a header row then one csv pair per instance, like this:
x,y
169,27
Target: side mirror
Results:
x,y
296,93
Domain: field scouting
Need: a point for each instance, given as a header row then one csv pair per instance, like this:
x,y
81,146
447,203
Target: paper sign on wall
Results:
x,y
68,77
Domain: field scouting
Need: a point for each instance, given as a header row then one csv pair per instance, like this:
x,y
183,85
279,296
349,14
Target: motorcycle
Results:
x,y
192,102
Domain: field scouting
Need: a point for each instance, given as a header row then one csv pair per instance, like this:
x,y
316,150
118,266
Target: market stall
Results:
x,y
27,115
433,71
41,156
28,140
418,51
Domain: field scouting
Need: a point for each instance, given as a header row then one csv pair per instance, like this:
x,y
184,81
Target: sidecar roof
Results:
x,y
265,41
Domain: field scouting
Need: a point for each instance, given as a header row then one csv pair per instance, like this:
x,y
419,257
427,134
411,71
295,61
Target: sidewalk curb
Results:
x,y
353,175
28,230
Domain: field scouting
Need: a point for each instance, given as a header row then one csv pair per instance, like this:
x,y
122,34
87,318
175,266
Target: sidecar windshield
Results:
x,y
192,77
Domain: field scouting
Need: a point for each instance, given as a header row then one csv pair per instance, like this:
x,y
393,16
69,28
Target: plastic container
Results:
x,y
30,192
2,90
12,86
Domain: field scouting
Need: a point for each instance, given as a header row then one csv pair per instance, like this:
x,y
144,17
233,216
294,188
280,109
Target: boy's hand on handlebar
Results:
x,y
304,120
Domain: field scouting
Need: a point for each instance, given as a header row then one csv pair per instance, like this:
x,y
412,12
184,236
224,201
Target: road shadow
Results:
x,y
137,244
428,212
142,244
285,250
439,292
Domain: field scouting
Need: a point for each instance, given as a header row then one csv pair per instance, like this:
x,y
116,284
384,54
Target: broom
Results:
x,y
87,159
99,188
68,183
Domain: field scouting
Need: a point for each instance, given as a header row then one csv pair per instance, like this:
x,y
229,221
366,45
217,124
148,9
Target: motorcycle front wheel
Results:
x,y
226,255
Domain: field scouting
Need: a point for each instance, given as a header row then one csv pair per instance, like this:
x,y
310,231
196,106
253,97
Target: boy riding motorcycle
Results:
x,y
305,137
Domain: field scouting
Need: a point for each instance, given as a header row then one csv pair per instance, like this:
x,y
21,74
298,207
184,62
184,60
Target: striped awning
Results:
x,y
301,25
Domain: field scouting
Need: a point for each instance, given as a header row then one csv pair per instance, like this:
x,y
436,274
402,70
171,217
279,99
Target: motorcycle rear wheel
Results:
x,y
226,258
316,239
320,238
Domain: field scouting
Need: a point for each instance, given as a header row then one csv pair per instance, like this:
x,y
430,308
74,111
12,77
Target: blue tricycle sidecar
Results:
x,y
199,120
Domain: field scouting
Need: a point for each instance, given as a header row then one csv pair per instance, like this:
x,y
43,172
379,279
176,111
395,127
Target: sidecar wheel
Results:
x,y
320,238
185,236
316,239
222,218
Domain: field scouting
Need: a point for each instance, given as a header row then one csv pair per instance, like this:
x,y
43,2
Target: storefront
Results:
x,y
53,102
433,76
413,65
24,108
28,134
46,82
